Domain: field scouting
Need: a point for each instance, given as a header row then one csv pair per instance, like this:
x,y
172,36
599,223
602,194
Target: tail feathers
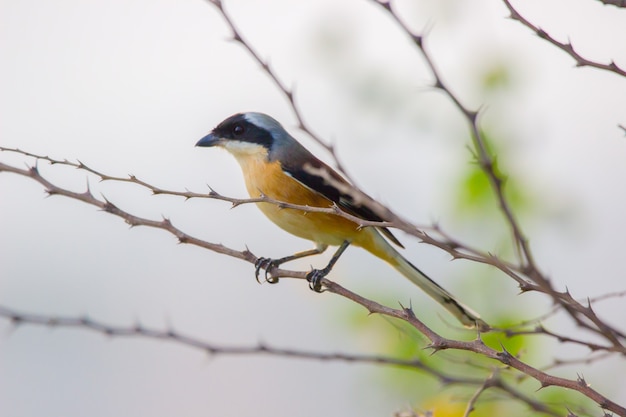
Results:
x,y
464,314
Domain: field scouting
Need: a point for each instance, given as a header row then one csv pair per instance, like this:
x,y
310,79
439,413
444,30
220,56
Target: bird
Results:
x,y
276,166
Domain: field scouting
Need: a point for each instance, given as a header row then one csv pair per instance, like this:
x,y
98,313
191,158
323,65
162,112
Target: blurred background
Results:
x,y
128,87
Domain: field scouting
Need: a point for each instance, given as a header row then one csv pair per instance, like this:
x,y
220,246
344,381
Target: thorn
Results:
x,y
542,33
108,206
385,4
236,38
472,115
139,328
438,84
87,192
514,15
524,287
505,356
543,385
436,347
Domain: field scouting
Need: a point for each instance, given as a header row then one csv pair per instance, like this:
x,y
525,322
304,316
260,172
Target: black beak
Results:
x,y
209,140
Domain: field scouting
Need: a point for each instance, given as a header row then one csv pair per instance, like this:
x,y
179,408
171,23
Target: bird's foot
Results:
x,y
268,264
315,276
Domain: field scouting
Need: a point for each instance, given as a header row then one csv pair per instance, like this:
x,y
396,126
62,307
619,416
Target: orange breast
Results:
x,y
263,178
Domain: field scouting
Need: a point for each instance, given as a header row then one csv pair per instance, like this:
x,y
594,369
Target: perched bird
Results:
x,y
277,166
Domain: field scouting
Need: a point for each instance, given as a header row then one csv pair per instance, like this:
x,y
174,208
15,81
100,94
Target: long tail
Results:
x,y
463,313
381,248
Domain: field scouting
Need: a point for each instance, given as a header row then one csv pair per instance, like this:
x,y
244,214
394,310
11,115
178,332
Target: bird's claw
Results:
x,y
267,264
314,278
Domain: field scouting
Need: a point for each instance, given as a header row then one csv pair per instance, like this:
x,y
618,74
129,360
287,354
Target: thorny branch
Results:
x,y
438,342
442,240
526,273
567,47
286,91
139,331
616,3
457,250
584,316
164,224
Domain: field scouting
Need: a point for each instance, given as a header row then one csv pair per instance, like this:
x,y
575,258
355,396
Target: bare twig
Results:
x,y
616,3
456,249
542,331
138,330
488,383
527,274
170,335
567,47
286,91
445,242
477,346
132,220
584,316
437,342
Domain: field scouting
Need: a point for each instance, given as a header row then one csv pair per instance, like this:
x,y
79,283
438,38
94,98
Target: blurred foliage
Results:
x,y
474,195
496,76
473,201
428,392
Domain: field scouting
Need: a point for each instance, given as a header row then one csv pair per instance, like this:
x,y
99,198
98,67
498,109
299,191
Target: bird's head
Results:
x,y
246,133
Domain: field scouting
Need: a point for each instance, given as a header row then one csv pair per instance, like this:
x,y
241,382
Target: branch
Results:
x,y
132,220
484,387
584,317
567,47
455,248
140,331
438,343
286,92
483,156
616,3
170,335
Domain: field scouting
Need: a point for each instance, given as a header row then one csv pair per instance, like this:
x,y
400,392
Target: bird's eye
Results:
x,y
238,130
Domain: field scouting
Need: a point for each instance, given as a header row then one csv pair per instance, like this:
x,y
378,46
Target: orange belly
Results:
x,y
268,179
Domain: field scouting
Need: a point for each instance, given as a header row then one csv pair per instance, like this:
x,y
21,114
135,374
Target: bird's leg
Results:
x,y
316,275
268,263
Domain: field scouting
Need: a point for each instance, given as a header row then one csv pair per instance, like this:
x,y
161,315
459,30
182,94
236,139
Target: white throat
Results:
x,y
245,148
